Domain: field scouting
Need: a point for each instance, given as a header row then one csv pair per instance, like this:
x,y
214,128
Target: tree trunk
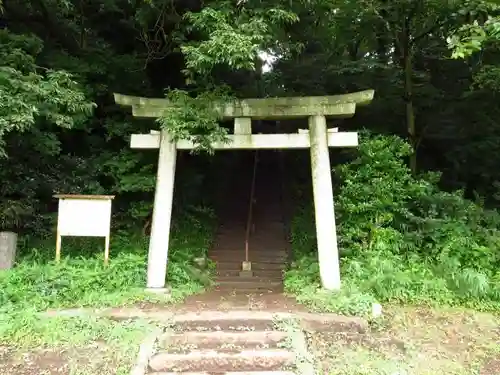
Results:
x,y
410,113
408,96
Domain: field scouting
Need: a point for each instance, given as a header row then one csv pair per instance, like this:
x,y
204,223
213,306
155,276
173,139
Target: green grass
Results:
x,y
27,329
37,283
87,345
402,240
379,274
415,341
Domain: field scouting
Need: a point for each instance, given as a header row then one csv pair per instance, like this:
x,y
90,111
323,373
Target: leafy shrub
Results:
x,y
401,238
81,279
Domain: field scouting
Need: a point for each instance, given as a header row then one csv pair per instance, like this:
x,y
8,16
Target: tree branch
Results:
x,y
429,31
55,29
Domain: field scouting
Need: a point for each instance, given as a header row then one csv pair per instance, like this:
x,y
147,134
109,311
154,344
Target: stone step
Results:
x,y
274,237
257,251
267,246
256,280
238,256
256,265
223,341
246,284
268,241
235,282
250,291
254,259
227,373
226,325
250,285
230,249
239,226
213,361
255,232
265,222
262,230
270,274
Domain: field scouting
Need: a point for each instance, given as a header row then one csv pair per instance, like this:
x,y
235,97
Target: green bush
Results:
x,y
401,238
81,279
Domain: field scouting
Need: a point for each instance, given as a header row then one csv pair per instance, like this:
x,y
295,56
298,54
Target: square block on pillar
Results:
x,y
242,125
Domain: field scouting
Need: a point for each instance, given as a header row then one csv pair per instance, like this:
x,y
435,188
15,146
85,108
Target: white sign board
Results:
x,y
84,215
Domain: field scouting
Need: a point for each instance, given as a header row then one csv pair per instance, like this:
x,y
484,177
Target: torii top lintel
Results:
x,y
340,106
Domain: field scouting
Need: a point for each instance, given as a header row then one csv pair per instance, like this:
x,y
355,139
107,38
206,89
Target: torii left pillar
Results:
x,y
162,213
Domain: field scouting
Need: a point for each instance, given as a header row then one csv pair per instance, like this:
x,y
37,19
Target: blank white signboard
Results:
x,y
84,217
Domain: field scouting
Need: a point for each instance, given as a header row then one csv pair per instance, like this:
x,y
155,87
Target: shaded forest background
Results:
x,y
60,131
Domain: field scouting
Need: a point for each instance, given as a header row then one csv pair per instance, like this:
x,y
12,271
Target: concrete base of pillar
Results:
x,y
165,291
248,273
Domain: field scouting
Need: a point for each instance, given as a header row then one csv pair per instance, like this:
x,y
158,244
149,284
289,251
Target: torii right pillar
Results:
x,y
328,253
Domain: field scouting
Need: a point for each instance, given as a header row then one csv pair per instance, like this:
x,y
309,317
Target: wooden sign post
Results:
x,y
85,216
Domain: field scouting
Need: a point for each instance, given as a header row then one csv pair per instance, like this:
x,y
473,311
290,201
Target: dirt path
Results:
x,y
238,332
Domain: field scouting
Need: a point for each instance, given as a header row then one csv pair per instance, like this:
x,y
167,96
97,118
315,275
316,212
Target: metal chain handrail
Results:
x,y
250,208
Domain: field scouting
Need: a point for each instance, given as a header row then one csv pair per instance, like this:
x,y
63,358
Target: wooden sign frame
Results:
x,y
84,216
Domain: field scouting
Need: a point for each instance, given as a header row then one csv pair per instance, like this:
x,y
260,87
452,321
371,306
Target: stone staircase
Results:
x,y
202,345
268,245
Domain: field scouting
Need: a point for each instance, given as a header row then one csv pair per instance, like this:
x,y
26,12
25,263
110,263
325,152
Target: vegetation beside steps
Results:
x,y
401,239
81,280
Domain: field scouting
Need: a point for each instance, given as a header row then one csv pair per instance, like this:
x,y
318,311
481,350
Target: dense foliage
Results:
x,y
406,235
402,239
62,60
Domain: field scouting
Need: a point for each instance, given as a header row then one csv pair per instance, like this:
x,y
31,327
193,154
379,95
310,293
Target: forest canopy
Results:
x,y
434,66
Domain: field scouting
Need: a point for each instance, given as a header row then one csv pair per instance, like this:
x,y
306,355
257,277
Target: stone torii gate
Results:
x,y
318,138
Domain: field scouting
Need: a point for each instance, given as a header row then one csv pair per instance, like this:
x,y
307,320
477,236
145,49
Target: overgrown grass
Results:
x,y
412,340
27,329
38,283
87,344
401,239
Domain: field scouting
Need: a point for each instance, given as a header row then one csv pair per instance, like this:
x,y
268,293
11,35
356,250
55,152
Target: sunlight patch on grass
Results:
x,y
416,341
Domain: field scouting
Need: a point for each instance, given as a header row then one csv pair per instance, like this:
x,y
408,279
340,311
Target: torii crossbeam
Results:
x,y
318,138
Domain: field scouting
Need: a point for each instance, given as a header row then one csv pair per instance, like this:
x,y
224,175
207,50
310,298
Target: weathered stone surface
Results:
x,y
229,316
229,373
212,361
146,350
266,108
332,322
251,142
270,113
258,319
232,325
249,284
213,339
8,247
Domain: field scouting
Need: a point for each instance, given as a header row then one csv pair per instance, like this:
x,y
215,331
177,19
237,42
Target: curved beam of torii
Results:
x,y
339,106
318,138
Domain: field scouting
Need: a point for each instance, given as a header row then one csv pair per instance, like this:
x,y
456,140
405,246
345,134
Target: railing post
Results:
x,y
246,267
